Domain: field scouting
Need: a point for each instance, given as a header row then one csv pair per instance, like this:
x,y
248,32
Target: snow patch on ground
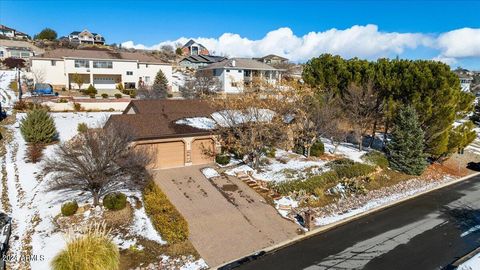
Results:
x,y
210,173
284,205
347,150
471,264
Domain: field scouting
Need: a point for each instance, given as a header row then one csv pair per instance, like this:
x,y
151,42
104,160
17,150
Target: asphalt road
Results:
x,y
428,232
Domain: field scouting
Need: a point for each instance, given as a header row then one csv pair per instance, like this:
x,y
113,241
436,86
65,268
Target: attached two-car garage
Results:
x,y
173,154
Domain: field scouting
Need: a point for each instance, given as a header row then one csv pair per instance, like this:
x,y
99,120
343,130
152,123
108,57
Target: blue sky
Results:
x,y
152,22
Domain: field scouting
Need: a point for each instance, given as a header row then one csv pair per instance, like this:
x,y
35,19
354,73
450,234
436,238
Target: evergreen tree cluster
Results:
x,y
429,87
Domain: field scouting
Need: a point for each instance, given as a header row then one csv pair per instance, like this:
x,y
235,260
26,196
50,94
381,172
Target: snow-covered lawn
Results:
x,y
34,207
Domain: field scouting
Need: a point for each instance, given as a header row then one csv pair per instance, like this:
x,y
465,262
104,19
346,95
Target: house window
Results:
x,y
129,72
248,73
82,64
228,70
1,54
102,64
147,79
234,84
53,63
239,71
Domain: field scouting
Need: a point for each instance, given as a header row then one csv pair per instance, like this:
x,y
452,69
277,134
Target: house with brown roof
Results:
x,y
272,59
194,48
102,68
159,128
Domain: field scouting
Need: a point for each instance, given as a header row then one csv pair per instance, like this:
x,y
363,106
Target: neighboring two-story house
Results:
x,y
12,33
194,48
465,82
104,69
233,74
86,37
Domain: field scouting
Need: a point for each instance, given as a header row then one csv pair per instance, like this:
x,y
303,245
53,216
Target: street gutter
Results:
x,y
248,257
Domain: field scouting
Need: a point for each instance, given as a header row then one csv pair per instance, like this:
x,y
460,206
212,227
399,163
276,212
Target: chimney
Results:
x,y
233,62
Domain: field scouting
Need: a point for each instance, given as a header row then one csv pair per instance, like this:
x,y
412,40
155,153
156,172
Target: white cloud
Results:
x,y
357,41
460,43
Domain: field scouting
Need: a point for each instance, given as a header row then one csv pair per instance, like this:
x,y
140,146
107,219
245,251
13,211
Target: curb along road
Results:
x,y
234,263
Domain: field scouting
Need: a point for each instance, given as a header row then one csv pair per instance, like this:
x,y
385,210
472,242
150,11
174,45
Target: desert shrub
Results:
x,y
317,149
133,95
62,100
169,95
38,127
117,95
270,152
91,90
104,95
115,201
94,250
77,107
165,217
92,95
222,159
82,127
64,89
69,208
376,158
34,152
119,86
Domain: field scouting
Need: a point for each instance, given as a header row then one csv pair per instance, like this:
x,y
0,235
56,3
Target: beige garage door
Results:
x,y
202,151
165,155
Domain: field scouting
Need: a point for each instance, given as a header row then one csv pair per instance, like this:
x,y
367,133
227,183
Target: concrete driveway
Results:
x,y
226,218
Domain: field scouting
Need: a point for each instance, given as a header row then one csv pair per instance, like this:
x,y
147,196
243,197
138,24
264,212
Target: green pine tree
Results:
x,y
38,127
160,85
405,150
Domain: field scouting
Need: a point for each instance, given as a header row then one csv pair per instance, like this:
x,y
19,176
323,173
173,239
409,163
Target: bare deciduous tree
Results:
x,y
99,161
39,75
360,105
248,123
328,118
201,85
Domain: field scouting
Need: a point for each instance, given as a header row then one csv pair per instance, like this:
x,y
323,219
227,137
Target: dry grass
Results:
x,y
119,217
132,257
94,250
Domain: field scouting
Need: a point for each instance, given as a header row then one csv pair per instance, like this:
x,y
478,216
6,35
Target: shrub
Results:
x,y
165,217
64,89
133,95
82,127
38,127
77,107
120,86
376,158
92,95
20,105
270,152
317,149
34,152
69,208
309,185
222,159
299,149
91,90
104,95
94,250
14,86
354,170
118,95
63,100
340,162
115,201
169,95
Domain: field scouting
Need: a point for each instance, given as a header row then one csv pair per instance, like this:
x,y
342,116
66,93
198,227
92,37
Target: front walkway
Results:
x,y
226,218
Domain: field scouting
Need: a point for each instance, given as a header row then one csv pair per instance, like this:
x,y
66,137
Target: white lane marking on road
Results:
x,y
358,255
